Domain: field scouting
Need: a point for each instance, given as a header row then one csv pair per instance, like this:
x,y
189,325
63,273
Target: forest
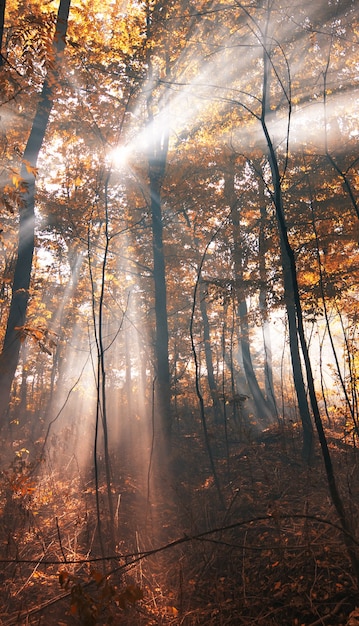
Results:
x,y
179,341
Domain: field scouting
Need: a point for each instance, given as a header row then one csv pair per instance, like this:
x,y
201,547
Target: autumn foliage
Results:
x,y
178,312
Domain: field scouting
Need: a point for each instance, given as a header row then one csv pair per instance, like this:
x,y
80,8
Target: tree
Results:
x,y
263,306
262,406
2,18
295,318
157,165
22,273
215,392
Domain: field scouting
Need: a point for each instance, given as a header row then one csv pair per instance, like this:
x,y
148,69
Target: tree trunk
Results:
x,y
2,20
293,302
128,370
262,408
268,370
21,283
291,292
298,377
290,276
157,166
263,412
218,412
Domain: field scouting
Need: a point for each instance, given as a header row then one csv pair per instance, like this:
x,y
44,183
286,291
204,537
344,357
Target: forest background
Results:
x,y
178,301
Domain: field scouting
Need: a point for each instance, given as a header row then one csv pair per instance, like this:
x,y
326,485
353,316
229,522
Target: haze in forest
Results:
x,y
179,260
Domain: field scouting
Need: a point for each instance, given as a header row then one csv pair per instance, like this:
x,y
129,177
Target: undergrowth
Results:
x,y
273,556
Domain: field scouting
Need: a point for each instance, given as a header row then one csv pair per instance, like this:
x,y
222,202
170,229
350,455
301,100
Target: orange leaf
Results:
x,y
31,169
172,610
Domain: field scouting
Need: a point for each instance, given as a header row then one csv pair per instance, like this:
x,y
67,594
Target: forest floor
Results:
x,y
260,545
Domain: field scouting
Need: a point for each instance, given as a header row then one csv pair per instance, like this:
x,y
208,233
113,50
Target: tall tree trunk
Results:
x,y
294,307
157,166
291,291
158,128
99,321
2,22
262,407
263,412
128,370
20,289
298,377
218,412
263,290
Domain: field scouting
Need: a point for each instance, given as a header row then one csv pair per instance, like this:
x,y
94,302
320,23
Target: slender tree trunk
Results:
x,y
291,292
218,412
263,290
9,356
128,370
267,344
198,376
291,275
101,417
293,301
298,377
2,21
262,408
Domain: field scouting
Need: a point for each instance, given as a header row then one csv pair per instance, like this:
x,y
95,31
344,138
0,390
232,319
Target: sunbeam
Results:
x,y
179,314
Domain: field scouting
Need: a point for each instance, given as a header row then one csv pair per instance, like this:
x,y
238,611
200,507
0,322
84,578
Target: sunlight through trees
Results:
x,y
179,249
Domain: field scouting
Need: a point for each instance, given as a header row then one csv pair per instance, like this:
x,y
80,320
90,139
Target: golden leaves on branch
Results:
x,y
18,185
45,338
